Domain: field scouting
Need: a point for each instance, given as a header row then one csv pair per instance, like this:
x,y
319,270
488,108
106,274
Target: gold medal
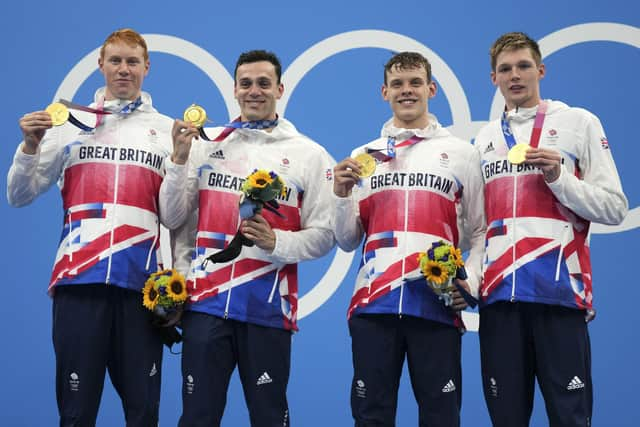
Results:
x,y
58,112
517,153
195,115
367,164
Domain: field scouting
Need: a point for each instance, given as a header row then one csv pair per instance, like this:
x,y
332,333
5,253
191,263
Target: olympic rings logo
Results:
x,y
462,126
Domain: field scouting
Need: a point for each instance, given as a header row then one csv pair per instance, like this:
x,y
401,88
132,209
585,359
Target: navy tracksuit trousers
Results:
x,y
99,328
521,342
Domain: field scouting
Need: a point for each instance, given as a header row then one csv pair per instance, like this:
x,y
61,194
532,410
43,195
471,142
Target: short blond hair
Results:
x,y
514,41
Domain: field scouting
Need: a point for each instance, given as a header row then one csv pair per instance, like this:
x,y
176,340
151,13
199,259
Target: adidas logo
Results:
x,y
153,370
264,379
449,387
575,384
217,155
489,148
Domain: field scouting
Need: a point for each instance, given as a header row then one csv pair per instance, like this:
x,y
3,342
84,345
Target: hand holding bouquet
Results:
x,y
259,190
165,293
441,265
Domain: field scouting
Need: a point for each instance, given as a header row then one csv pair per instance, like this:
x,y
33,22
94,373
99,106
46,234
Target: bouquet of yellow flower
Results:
x,y
165,293
440,265
259,190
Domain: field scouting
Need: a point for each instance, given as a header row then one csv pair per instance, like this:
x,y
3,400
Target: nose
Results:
x,y
254,90
123,68
407,89
515,75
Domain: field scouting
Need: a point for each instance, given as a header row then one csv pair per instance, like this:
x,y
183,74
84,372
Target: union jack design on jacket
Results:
x,y
109,180
431,191
537,246
257,287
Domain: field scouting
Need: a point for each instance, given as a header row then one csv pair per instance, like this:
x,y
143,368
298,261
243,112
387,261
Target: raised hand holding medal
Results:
x,y
367,164
517,154
518,151
58,112
196,115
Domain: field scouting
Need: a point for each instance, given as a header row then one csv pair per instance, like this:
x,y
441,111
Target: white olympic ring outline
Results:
x,y
462,126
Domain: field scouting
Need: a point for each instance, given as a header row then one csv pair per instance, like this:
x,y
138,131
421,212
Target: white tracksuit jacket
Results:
x,y
257,287
109,180
431,191
537,246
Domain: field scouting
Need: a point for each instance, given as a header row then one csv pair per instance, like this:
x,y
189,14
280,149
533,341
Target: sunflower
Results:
x,y
260,179
150,295
176,289
435,272
456,255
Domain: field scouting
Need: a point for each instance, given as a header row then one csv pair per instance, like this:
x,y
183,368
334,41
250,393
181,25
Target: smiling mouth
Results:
x,y
407,101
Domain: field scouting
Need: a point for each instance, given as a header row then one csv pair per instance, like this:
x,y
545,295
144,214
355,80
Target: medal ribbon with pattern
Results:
x,y
237,124
517,151
197,116
367,160
391,148
60,113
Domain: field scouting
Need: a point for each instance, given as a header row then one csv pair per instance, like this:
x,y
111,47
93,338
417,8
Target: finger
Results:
x,y
181,127
458,303
349,180
36,120
347,164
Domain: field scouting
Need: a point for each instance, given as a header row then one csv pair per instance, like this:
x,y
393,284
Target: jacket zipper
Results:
x,y
514,238
70,237
226,307
115,204
404,251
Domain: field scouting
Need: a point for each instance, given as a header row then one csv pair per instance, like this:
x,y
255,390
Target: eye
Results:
x,y
244,84
133,62
504,69
115,61
264,83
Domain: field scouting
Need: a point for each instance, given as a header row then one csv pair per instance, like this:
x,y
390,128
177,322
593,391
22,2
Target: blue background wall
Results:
x,y
335,99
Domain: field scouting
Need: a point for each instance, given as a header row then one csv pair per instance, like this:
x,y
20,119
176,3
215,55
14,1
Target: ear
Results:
x,y
101,65
542,70
280,91
147,64
433,89
385,94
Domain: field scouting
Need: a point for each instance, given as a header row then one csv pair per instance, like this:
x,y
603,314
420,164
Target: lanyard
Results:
x,y
391,148
99,112
238,124
535,132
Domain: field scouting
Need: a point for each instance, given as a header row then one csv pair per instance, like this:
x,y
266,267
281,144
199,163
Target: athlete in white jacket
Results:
x,y
536,290
243,312
426,188
109,178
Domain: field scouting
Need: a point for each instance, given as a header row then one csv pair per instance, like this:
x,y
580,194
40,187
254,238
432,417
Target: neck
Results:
x,y
418,123
526,104
244,118
108,96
